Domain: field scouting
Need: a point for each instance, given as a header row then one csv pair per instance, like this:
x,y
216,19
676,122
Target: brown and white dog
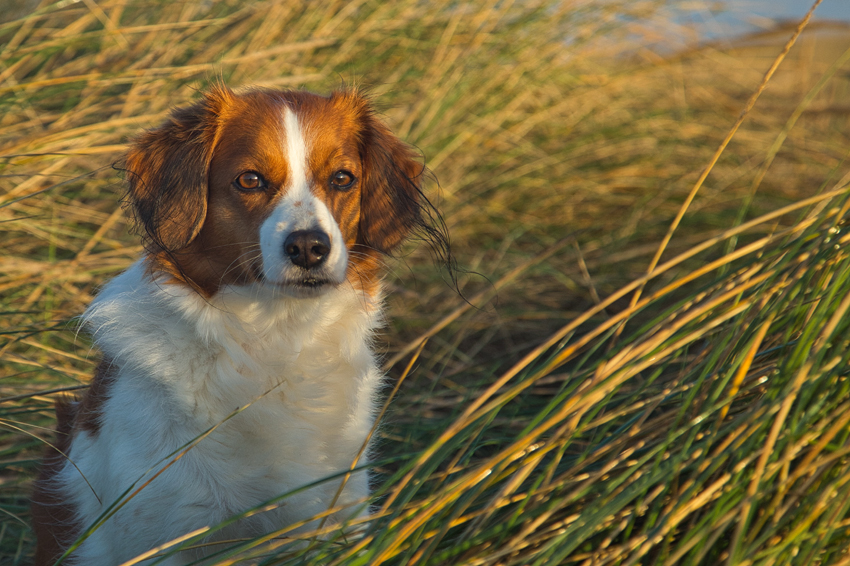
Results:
x,y
266,215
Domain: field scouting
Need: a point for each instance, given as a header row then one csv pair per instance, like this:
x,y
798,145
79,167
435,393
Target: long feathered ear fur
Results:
x,y
392,205
167,170
391,200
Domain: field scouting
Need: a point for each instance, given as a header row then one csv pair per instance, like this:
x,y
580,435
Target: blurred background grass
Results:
x,y
565,136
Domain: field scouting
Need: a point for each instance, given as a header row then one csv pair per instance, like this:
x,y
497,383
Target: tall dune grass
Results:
x,y
574,403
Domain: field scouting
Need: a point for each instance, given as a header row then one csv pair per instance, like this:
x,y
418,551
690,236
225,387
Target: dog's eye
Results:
x,y
342,180
250,181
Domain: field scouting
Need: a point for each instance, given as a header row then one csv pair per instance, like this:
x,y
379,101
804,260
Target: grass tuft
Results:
x,y
591,396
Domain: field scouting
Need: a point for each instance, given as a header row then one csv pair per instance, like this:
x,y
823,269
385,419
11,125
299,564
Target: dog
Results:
x,y
237,352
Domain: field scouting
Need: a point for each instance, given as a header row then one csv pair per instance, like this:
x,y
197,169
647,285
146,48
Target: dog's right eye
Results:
x,y
250,181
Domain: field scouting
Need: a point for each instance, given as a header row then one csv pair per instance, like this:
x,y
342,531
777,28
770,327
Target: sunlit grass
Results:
x,y
545,421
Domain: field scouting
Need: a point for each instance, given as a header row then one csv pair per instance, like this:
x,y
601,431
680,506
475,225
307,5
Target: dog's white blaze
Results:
x,y
297,186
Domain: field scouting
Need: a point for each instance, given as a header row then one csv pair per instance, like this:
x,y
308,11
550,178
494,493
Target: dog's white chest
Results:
x,y
223,407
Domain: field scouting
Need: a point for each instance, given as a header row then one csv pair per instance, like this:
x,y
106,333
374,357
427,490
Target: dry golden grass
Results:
x,y
712,429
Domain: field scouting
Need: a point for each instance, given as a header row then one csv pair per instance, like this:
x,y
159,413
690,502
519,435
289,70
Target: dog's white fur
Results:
x,y
300,366
185,365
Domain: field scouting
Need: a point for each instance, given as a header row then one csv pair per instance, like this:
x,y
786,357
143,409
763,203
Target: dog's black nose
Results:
x,y
307,248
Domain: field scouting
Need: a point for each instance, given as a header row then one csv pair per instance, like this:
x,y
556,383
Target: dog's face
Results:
x,y
286,189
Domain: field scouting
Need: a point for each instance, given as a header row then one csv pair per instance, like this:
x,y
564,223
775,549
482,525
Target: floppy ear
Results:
x,y
390,197
167,171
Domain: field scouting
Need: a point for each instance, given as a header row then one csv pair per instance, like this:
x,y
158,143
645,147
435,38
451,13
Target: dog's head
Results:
x,y
287,189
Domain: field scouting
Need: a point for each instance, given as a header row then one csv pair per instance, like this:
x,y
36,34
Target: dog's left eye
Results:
x,y
342,180
250,181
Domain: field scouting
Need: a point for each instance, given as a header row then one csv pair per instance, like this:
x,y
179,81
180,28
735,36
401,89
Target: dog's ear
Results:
x,y
167,170
390,197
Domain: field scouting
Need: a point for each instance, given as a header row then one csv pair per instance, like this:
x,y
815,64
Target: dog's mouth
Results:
x,y
306,286
296,281
311,283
